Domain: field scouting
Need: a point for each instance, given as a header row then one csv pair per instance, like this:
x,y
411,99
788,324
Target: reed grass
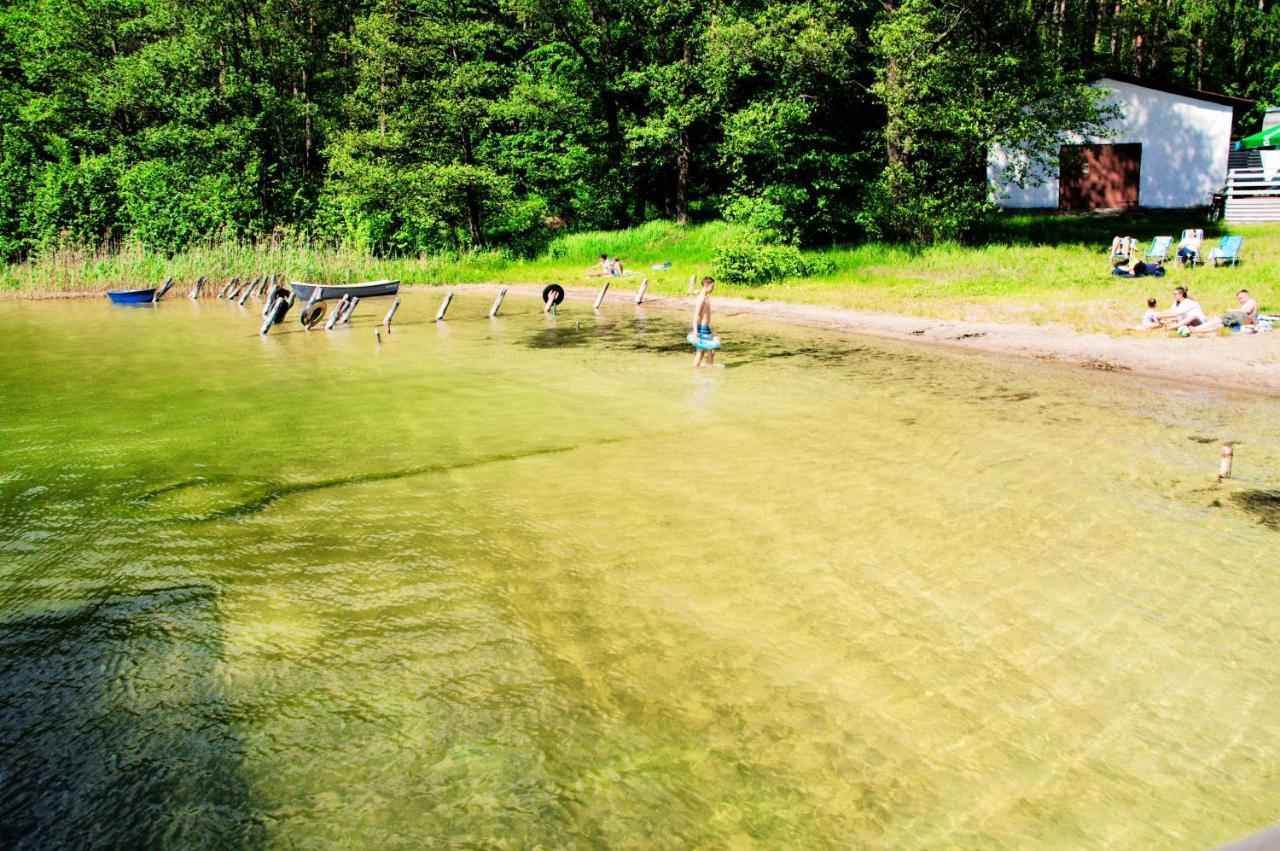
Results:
x,y
1035,268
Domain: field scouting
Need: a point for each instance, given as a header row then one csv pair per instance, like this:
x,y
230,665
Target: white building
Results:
x,y
1168,150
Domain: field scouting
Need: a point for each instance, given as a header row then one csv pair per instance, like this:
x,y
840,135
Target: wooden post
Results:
x,y
693,284
233,293
271,297
195,291
245,295
227,287
600,298
391,314
337,313
497,302
351,308
164,288
644,285
271,315
1228,453
444,306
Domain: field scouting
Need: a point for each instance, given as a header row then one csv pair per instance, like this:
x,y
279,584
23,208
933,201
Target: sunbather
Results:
x,y
1122,250
602,269
1189,247
1244,319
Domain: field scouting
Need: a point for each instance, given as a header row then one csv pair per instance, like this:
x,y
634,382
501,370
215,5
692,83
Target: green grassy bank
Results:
x,y
1035,268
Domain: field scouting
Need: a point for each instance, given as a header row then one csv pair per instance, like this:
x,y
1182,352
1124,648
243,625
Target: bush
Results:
x,y
749,258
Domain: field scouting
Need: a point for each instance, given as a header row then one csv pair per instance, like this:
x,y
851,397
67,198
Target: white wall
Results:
x,y
1184,150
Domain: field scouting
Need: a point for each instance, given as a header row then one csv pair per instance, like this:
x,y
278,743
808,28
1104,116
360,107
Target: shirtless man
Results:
x,y
1246,315
702,326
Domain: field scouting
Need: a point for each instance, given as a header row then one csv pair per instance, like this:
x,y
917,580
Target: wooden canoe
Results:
x,y
367,289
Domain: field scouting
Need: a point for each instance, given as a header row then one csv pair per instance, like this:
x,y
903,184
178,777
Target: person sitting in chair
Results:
x,y
1189,247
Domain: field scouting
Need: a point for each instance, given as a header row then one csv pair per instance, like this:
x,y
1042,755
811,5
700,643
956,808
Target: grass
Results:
x,y
1037,268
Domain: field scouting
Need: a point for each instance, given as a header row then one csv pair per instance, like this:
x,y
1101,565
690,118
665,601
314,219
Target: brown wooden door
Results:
x,y
1099,177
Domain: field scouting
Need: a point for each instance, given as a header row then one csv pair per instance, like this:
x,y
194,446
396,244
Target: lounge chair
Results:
x,y
1122,250
1158,249
1197,236
1227,250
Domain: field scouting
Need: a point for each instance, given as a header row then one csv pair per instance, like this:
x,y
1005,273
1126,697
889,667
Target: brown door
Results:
x,y
1099,177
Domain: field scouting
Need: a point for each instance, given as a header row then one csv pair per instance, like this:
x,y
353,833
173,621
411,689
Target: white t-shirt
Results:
x,y
1188,308
1149,318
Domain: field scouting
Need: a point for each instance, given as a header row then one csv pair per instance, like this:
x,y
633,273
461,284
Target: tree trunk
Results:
x,y
682,179
1200,62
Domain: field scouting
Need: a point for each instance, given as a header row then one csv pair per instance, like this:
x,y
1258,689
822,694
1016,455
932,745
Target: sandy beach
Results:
x,y
1242,362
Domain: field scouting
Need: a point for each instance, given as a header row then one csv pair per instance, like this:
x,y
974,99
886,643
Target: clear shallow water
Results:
x,y
517,583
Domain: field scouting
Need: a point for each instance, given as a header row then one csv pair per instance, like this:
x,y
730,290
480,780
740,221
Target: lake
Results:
x,y
533,581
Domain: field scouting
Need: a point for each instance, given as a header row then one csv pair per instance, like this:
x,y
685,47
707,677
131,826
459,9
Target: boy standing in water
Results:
x,y
704,349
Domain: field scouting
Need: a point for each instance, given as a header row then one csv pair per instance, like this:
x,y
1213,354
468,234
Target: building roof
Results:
x,y
1198,94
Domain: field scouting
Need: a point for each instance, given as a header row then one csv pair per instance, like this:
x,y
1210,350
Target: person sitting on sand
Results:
x,y
1236,320
1150,319
702,325
615,267
601,269
1185,312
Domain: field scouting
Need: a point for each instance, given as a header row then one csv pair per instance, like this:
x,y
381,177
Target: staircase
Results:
x,y
1250,196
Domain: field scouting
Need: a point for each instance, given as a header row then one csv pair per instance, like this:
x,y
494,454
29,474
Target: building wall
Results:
x,y
1185,142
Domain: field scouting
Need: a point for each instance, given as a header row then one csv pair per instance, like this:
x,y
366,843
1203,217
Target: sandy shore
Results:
x,y
1244,362
1247,363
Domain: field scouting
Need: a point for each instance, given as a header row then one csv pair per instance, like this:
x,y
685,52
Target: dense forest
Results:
x,y
408,126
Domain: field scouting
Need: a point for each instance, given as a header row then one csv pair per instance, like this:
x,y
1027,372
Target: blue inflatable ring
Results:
x,y
704,342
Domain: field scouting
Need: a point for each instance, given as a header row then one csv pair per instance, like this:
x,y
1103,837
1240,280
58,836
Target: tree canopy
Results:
x,y
406,126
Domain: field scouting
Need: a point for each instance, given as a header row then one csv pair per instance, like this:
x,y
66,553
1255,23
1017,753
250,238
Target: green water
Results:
x,y
533,582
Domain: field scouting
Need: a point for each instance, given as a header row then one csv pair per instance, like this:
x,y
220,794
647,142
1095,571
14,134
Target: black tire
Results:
x,y
554,293
311,316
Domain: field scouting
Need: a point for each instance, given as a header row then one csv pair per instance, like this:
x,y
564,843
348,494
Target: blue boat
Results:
x,y
132,296
140,296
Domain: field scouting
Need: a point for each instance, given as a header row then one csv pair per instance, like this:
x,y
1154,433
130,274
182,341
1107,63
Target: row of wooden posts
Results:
x,y
265,285
550,303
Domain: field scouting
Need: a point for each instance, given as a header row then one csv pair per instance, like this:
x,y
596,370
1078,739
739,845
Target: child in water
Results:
x,y
704,342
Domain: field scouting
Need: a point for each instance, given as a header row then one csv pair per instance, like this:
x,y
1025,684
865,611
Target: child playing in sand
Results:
x,y
703,341
1150,319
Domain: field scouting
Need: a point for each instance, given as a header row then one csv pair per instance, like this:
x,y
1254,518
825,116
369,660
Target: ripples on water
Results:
x,y
533,582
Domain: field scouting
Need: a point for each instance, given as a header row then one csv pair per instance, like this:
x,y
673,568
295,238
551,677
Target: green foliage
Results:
x,y
416,127
749,259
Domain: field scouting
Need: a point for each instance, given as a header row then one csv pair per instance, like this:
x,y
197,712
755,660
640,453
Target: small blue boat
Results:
x,y
132,296
140,296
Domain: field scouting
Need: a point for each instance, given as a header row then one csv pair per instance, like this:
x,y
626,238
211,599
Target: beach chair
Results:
x,y
1198,235
1158,249
1227,250
1122,250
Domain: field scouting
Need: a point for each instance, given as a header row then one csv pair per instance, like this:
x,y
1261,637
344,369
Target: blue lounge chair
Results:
x,y
1158,249
1227,250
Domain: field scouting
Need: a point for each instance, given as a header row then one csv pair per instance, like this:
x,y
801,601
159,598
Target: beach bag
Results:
x,y
1233,318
